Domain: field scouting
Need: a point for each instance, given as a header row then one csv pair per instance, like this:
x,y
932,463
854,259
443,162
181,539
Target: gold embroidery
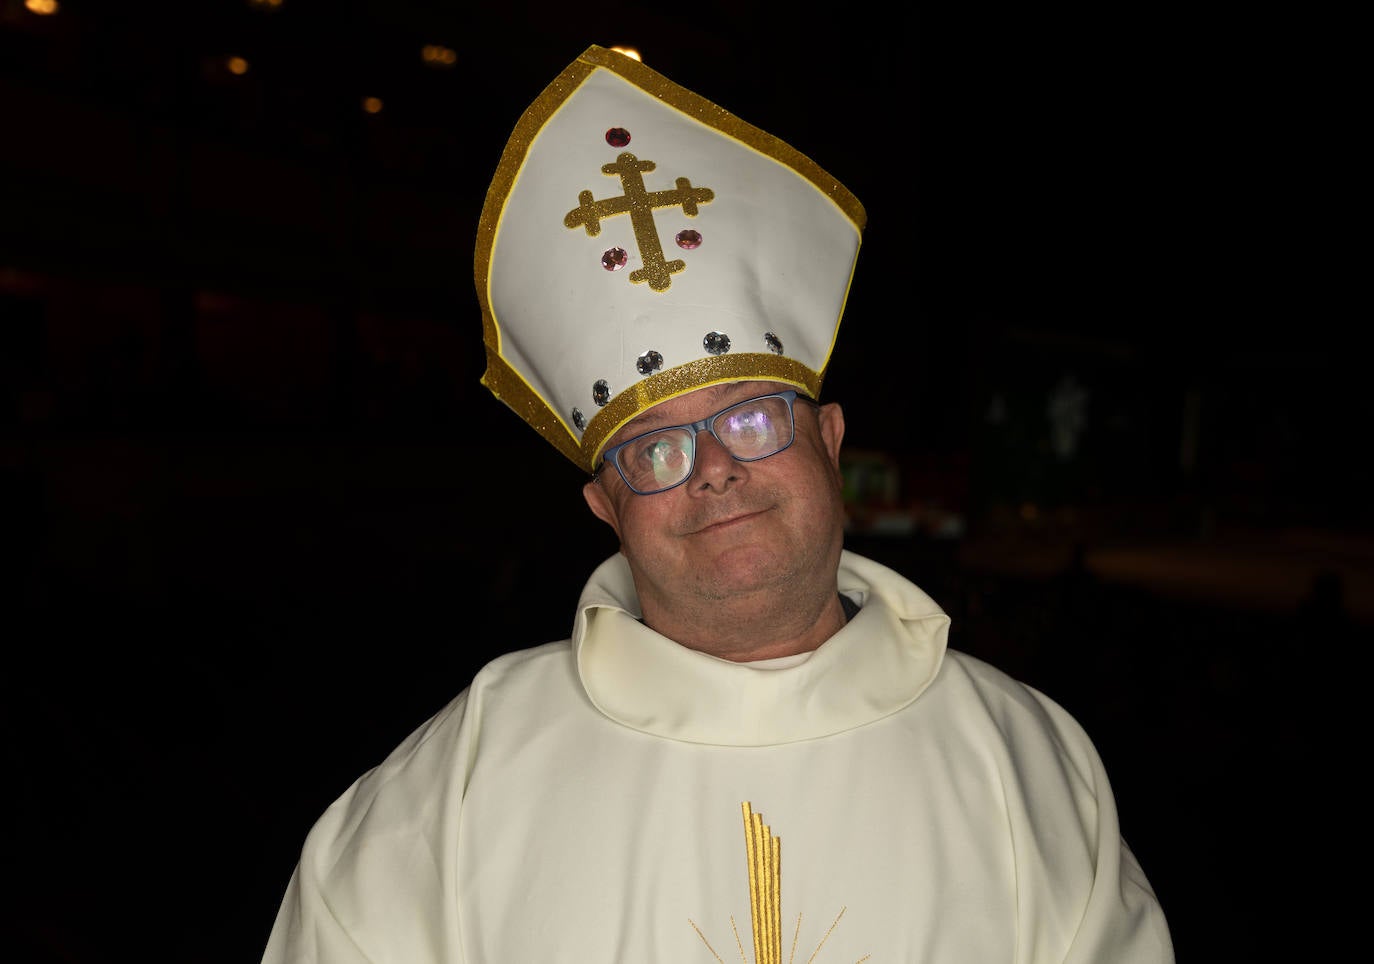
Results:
x,y
765,891
828,933
738,943
704,940
763,853
639,203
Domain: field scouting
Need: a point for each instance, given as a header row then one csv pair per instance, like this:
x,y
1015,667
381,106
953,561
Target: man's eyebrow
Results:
x,y
646,421
642,423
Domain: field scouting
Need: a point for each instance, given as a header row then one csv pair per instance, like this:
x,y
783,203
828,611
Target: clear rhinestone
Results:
x,y
579,419
649,362
601,392
773,342
716,343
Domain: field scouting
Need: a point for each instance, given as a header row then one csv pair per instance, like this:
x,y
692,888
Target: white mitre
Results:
x,y
639,242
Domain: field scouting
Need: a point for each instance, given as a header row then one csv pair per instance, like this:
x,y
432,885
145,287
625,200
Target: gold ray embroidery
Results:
x,y
827,934
704,940
765,891
738,943
763,853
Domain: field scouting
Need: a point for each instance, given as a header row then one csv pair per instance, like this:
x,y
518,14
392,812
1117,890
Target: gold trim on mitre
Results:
x,y
503,381
514,388
712,370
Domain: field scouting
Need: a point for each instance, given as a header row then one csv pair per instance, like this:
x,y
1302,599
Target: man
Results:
x,y
661,286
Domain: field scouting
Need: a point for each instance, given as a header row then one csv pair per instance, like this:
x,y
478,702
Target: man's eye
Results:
x,y
662,452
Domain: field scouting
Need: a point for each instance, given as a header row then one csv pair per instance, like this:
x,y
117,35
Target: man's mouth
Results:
x,y
727,522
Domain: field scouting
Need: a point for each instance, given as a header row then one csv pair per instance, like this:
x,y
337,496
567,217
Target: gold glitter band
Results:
x,y
682,379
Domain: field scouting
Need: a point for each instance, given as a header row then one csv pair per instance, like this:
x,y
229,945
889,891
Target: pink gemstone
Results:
x,y
617,137
688,239
614,259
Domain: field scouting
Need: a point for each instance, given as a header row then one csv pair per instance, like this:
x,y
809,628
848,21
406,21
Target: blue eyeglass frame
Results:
x,y
707,424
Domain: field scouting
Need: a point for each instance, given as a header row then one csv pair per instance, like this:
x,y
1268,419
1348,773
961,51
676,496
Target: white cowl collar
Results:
x,y
880,662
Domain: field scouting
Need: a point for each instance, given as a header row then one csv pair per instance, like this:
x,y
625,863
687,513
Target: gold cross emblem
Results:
x,y
639,203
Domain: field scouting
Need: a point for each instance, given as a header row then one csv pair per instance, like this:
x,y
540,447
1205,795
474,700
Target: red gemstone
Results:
x,y
617,137
688,239
614,259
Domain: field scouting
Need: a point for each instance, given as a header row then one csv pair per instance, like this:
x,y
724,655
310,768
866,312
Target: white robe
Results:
x,y
617,797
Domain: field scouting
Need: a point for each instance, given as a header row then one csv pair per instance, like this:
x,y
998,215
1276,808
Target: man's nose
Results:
x,y
715,468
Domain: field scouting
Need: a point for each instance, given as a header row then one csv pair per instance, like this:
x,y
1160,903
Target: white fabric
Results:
x,y
582,801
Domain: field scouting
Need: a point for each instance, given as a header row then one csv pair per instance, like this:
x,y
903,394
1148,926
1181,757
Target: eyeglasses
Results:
x,y
663,459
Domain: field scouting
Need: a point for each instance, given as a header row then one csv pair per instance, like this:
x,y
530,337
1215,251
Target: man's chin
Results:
x,y
741,569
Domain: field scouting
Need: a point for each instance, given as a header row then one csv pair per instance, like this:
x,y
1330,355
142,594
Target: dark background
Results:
x,y
259,520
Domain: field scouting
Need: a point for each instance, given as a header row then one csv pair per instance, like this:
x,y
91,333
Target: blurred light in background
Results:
x,y
437,55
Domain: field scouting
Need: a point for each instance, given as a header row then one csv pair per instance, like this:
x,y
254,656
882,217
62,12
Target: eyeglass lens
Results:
x,y
749,431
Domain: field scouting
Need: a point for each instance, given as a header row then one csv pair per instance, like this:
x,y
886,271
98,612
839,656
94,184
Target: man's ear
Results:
x,y
600,504
831,417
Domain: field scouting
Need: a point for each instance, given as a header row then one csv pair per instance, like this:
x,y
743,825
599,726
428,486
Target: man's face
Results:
x,y
733,528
